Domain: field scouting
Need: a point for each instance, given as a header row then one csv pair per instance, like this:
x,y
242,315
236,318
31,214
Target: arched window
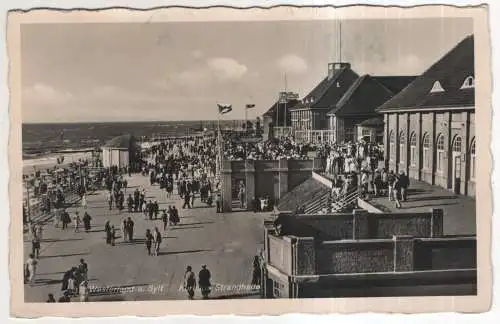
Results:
x,y
413,149
468,83
440,152
426,154
402,151
392,145
473,159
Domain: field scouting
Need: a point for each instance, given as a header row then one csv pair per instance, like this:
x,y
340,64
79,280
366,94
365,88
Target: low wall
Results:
x,y
459,253
273,178
393,284
355,257
361,224
304,256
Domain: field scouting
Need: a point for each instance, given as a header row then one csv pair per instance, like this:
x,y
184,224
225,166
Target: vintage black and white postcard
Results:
x,y
250,161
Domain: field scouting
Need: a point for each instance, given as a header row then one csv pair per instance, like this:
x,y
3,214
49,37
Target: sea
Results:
x,y
40,139
43,143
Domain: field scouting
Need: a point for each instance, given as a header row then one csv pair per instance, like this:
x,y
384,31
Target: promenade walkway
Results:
x,y
459,211
226,243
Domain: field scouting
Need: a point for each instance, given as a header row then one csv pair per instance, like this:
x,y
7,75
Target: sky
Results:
x,y
181,70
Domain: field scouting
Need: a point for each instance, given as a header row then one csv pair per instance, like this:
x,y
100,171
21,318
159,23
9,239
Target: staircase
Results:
x,y
344,201
317,203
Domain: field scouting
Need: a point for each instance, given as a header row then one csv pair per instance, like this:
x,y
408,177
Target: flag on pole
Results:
x,y
224,109
250,106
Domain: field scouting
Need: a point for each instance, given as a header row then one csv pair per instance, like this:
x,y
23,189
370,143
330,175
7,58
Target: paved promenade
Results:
x,y
226,243
459,211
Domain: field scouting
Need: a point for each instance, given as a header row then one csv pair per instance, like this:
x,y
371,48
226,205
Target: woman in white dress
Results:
x,y
84,202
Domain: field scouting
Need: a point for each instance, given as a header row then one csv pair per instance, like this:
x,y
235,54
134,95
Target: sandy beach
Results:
x,y
46,162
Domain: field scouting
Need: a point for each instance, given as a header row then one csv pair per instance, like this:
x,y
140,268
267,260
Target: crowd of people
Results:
x,y
187,169
273,149
360,166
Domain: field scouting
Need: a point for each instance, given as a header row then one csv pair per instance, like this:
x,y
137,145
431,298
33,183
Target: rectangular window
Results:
x,y
440,155
426,158
393,151
413,156
402,153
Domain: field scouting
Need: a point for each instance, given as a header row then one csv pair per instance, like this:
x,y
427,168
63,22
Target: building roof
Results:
x,y
362,98
120,142
271,112
395,83
372,122
446,76
329,90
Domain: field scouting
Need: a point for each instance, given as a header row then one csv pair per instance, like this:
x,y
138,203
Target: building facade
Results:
x,y
310,113
429,128
359,104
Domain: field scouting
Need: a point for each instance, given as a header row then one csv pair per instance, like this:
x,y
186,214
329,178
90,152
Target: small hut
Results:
x,y
119,152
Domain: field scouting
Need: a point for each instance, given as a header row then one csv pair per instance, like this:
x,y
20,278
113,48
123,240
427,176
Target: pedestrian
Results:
x,y
405,182
35,243
204,281
124,230
189,282
186,200
164,219
130,229
151,210
86,221
31,265
130,203
65,279
107,230
84,202
66,219
397,192
149,240
113,235
391,178
83,269
84,291
218,202
156,240
156,209
109,199
76,221
256,273
51,299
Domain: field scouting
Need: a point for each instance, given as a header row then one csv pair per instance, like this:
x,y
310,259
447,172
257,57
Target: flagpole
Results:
x,y
286,100
246,124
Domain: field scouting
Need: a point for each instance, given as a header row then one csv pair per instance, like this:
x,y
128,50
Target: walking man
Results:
x,y
204,281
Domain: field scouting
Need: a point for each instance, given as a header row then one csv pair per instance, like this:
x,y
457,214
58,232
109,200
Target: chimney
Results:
x,y
335,66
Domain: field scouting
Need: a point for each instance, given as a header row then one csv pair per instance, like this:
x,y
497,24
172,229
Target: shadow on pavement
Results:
x,y
198,223
63,240
185,227
62,255
182,252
